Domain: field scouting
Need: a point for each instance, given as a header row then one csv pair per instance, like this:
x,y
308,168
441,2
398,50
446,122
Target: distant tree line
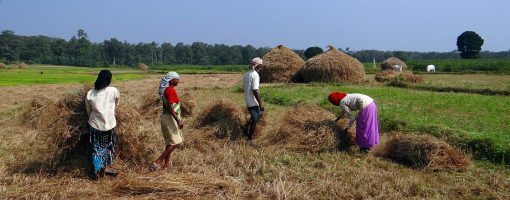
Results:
x,y
80,51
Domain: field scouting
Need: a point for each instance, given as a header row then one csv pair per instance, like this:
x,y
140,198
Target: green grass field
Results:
x,y
466,119
199,69
48,74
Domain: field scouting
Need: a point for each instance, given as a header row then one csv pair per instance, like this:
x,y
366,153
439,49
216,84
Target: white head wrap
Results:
x,y
255,61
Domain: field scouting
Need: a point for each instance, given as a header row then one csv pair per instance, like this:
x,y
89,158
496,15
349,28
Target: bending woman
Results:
x,y
367,126
100,103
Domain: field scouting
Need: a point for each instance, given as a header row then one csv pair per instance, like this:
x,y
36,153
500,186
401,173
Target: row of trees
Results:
x,y
80,51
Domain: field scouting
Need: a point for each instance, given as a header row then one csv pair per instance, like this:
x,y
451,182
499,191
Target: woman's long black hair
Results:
x,y
103,79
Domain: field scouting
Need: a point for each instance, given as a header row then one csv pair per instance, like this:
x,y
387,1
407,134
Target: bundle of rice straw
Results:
x,y
2,65
226,118
63,126
309,128
424,151
281,65
152,106
333,66
405,76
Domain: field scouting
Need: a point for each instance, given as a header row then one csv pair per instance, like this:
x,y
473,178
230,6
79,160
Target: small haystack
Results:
x,y
281,65
390,62
2,66
22,66
405,76
309,128
142,67
333,66
225,117
63,126
424,151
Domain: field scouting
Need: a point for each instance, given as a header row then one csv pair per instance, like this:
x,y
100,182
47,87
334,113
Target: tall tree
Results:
x,y
313,51
469,44
113,50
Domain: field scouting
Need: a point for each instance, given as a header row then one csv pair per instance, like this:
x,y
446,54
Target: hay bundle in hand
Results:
x,y
63,126
390,62
424,151
309,128
2,65
281,65
152,105
142,67
187,104
333,66
225,117
405,76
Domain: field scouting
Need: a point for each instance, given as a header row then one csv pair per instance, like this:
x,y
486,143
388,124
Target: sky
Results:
x,y
387,25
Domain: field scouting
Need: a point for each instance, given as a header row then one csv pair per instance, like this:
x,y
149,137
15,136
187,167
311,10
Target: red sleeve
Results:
x,y
171,95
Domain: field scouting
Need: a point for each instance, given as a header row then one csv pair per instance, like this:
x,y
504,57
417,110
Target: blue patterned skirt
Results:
x,y
102,144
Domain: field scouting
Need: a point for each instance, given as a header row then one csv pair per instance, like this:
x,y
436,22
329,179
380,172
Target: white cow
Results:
x,y
397,68
431,68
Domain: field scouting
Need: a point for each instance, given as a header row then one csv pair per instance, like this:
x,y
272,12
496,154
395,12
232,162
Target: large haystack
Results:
x,y
225,117
388,63
63,126
333,66
2,65
391,75
309,128
281,65
424,151
22,66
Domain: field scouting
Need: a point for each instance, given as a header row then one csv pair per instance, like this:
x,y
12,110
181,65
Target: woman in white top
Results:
x,y
100,103
367,127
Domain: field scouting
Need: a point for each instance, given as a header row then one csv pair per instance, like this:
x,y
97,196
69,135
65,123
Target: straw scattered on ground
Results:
x,y
424,151
309,128
391,75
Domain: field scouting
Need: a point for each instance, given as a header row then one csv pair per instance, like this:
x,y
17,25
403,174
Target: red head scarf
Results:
x,y
336,97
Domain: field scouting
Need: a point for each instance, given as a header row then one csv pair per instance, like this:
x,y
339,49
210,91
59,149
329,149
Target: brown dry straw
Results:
x,y
225,116
424,151
152,106
388,63
333,66
63,126
281,65
309,128
405,76
2,65
142,67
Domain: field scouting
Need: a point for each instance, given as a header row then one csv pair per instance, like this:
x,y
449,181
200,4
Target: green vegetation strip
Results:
x,y
401,84
199,69
43,74
462,65
477,123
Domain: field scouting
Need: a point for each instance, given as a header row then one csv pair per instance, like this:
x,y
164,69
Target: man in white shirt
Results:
x,y
251,82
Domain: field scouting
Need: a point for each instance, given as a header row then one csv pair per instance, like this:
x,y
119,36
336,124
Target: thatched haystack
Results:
x,y
424,151
333,66
152,105
225,117
22,66
281,65
2,65
142,67
309,128
405,76
388,63
63,126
